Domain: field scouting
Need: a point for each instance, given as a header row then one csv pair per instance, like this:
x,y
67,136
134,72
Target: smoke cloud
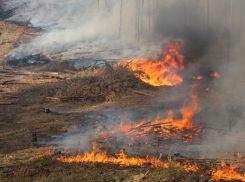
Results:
x,y
211,36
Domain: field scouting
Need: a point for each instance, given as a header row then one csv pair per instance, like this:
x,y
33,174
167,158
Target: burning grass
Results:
x,y
159,71
98,166
53,170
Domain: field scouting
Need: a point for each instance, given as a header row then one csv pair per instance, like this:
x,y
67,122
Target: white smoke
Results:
x,y
79,24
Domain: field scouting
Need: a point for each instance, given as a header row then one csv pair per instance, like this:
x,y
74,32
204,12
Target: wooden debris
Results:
x,y
54,98
142,93
47,110
70,71
169,154
93,121
5,90
7,103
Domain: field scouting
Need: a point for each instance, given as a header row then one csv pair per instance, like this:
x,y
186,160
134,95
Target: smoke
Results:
x,y
86,26
210,36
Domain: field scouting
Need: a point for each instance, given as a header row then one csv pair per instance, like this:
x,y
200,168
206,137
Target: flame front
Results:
x,y
159,71
100,156
228,173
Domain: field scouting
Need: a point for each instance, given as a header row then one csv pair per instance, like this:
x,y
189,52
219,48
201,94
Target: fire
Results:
x,y
228,173
165,128
215,74
207,89
159,71
97,155
198,77
45,53
159,127
46,151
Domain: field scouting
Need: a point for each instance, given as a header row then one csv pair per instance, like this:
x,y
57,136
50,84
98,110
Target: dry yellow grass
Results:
x,y
11,36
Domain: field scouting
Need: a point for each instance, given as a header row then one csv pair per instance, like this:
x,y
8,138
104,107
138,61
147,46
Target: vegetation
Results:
x,y
95,85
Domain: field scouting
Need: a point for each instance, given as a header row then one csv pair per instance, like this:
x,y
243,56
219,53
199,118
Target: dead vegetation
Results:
x,y
97,85
12,35
46,168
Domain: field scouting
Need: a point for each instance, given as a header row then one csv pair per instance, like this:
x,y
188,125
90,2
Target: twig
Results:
x,y
155,124
183,92
70,71
7,103
141,93
169,154
96,117
158,159
54,98
7,12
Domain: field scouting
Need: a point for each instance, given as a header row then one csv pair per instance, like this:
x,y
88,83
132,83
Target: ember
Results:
x,y
198,77
159,72
215,74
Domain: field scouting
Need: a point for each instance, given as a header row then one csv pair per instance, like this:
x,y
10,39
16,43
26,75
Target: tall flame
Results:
x,y
159,72
139,130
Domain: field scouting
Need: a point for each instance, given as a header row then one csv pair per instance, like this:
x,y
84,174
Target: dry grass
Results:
x,y
96,85
47,168
11,36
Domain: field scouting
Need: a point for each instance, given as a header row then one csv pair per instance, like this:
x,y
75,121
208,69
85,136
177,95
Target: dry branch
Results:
x,y
142,93
70,71
96,117
7,103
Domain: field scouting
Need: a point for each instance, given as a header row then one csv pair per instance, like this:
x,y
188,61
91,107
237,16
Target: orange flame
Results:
x,y
198,77
159,71
46,151
228,173
45,53
215,74
100,156
164,126
207,89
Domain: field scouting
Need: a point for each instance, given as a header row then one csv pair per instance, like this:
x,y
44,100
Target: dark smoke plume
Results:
x,y
177,21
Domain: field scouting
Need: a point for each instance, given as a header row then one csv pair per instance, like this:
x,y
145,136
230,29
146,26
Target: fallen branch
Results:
x,y
54,98
182,92
70,71
96,117
142,93
155,124
7,103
